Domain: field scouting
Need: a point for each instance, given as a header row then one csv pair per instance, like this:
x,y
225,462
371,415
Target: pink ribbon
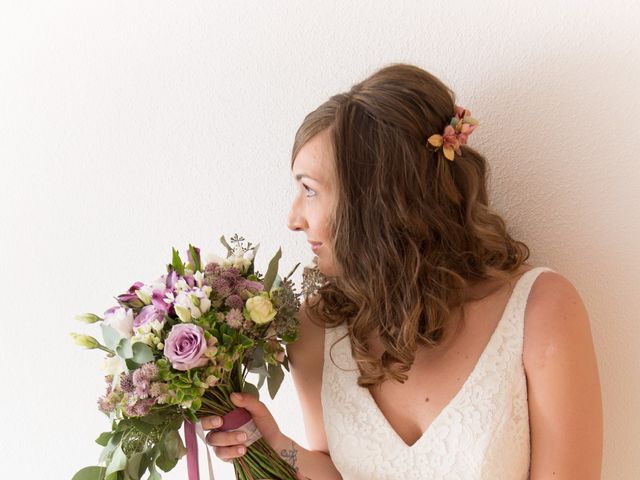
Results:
x,y
192,450
238,419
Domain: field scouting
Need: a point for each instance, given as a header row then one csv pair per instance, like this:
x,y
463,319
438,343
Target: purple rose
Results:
x,y
147,315
185,345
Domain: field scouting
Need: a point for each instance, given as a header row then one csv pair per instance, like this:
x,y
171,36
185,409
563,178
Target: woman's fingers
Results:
x,y
208,423
229,453
224,439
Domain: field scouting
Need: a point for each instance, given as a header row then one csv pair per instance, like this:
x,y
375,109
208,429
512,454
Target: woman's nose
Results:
x,y
294,221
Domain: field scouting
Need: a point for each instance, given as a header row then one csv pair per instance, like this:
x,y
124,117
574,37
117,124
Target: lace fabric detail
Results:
x,y
481,434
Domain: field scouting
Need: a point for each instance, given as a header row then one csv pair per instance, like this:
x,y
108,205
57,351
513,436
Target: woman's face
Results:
x,y
312,174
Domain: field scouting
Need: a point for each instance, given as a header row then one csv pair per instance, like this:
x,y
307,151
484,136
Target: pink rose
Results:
x,y
185,345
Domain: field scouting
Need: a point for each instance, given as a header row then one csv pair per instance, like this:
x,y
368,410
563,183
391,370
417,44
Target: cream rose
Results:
x,y
260,308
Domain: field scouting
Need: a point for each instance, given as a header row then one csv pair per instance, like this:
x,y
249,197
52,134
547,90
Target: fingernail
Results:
x,y
236,396
241,437
241,450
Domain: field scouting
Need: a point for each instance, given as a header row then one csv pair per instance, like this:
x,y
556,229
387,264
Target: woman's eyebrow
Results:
x,y
304,175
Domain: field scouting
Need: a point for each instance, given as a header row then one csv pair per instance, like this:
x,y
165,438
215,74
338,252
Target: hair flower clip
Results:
x,y
455,134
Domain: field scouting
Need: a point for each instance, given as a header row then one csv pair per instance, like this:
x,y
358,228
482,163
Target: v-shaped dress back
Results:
x,y
481,434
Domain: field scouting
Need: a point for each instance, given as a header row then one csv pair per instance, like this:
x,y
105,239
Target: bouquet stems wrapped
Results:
x,y
177,348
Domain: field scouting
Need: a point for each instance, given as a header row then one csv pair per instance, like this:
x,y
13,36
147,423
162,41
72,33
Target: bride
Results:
x,y
430,347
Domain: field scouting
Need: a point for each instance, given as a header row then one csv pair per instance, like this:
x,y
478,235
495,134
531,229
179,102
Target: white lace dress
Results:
x,y
482,433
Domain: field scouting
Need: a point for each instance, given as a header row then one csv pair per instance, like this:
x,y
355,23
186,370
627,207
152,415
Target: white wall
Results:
x,y
127,128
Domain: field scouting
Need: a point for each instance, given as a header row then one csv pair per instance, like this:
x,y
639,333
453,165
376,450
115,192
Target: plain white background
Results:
x,y
128,128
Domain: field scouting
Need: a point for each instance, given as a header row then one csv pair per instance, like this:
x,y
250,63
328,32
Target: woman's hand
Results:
x,y
226,444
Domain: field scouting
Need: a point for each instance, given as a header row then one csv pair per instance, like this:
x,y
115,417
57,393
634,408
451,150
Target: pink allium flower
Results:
x,y
212,267
150,370
234,318
234,301
126,383
157,389
221,287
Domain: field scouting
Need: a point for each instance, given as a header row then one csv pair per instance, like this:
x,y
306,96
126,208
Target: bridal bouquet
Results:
x,y
176,348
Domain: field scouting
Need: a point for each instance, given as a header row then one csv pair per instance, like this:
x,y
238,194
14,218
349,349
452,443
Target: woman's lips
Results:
x,y
315,246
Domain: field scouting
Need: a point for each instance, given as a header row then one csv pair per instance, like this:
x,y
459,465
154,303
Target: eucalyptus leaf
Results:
x,y
118,461
107,451
103,438
124,348
133,470
272,270
142,353
276,375
173,445
262,376
250,388
111,336
165,463
144,427
90,473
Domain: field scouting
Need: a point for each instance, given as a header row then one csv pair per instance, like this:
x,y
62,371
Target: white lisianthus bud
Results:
x,y
199,278
183,313
160,345
195,300
85,341
143,296
88,318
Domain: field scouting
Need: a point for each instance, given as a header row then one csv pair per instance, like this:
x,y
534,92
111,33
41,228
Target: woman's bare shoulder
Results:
x,y
306,363
563,384
309,347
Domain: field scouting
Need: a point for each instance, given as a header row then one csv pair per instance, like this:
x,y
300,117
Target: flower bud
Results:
x,y
88,318
85,341
144,296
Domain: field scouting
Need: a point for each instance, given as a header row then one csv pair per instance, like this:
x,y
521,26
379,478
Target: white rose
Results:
x,y
260,308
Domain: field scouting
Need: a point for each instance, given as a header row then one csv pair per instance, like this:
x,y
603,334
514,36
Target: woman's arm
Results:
x,y
565,405
310,464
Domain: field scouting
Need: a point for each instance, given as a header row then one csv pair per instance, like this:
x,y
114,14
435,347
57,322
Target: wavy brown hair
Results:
x,y
411,231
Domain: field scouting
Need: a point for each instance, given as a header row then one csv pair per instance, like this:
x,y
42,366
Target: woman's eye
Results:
x,y
309,190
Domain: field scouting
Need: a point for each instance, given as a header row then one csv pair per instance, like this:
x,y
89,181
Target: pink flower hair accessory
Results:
x,y
455,134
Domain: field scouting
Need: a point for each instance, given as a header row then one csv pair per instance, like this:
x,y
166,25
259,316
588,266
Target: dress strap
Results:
x,y
520,298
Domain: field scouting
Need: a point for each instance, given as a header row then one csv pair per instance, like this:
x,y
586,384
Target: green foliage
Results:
x,y
118,461
103,438
250,388
176,262
90,473
196,259
272,271
276,375
110,336
124,348
142,353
